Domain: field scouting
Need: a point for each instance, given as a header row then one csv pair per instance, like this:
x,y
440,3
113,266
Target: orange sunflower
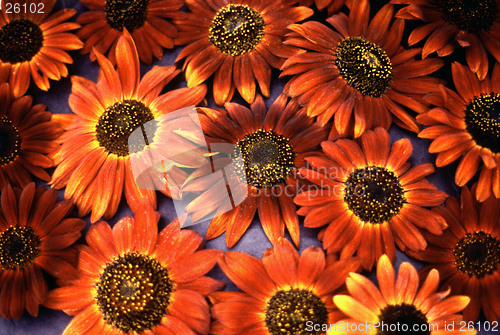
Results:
x,y
370,198
466,124
33,44
332,6
474,25
467,255
239,41
94,160
399,304
136,280
27,135
272,146
34,237
145,20
282,293
359,74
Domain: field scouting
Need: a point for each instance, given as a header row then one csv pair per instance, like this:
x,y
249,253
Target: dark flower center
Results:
x,y
364,66
20,41
374,194
268,158
482,119
119,121
129,14
401,320
19,247
472,16
477,254
133,292
10,141
288,312
236,29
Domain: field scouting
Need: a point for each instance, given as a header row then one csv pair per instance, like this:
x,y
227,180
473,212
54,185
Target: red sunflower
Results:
x,y
94,160
467,255
27,135
145,20
136,280
359,74
400,304
34,238
272,146
473,25
370,198
466,124
239,41
40,53
282,293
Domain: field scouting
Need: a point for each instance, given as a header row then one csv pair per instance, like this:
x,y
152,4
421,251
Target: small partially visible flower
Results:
x,y
465,125
467,255
136,280
449,23
33,44
34,237
399,302
369,198
27,135
239,41
282,293
145,20
359,73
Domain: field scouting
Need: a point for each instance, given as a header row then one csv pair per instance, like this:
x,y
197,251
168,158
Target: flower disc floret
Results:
x,y
133,292
128,14
19,248
472,16
20,41
119,121
482,117
268,158
374,194
364,65
236,29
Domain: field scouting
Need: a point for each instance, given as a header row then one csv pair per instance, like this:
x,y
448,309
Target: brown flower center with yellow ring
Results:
x,y
374,194
290,312
133,292
10,141
20,41
236,29
364,65
477,254
268,158
401,320
482,119
129,14
19,247
472,16
119,121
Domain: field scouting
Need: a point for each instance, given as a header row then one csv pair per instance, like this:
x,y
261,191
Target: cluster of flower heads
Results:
x,y
320,151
